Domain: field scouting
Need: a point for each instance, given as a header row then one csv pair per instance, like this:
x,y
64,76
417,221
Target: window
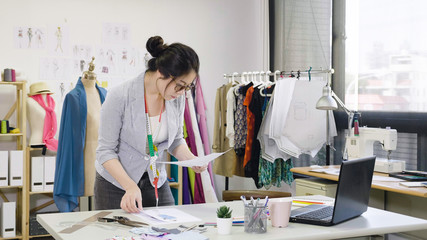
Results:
x,y
386,55
381,53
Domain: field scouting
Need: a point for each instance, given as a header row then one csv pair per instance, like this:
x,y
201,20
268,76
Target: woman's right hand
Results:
x,y
132,200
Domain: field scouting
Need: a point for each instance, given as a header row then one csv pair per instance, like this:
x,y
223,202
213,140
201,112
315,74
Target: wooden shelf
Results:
x,y
42,192
39,236
11,134
18,236
10,187
11,83
18,107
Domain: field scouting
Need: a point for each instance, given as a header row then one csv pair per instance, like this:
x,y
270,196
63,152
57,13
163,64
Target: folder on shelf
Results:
x,y
16,168
8,219
49,173
37,169
4,168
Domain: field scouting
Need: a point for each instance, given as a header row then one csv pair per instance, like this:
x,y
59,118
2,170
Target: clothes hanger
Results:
x,y
233,79
266,83
242,82
258,81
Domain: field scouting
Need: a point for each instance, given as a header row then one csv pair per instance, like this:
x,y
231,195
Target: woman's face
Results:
x,y
172,88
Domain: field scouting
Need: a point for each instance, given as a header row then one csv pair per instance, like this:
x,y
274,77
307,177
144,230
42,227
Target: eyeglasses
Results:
x,y
179,87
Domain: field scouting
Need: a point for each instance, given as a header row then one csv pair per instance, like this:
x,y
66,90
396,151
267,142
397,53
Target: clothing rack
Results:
x,y
278,72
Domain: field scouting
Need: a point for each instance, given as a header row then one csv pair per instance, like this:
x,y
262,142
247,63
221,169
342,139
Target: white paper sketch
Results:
x,y
164,216
56,69
116,33
39,38
29,37
82,55
58,40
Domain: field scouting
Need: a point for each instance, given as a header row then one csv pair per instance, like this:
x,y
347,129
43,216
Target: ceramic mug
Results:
x,y
280,211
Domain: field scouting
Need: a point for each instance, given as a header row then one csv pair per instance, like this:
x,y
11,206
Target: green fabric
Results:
x,y
174,175
191,180
272,174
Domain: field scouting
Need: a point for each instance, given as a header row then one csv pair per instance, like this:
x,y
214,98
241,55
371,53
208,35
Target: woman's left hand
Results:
x,y
199,169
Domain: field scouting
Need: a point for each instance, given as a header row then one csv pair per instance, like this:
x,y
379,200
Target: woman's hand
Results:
x,y
132,200
199,169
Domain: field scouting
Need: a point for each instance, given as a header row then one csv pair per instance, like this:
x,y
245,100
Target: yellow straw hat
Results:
x,y
39,88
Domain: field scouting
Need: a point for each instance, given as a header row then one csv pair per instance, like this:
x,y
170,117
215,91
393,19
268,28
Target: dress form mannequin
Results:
x,y
36,115
93,102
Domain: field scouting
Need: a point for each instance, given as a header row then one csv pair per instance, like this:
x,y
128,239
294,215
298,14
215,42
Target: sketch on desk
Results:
x,y
164,216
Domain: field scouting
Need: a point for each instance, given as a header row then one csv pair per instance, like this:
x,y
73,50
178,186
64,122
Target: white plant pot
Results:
x,y
224,225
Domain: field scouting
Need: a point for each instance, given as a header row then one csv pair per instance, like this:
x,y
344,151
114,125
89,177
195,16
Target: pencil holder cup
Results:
x,y
255,219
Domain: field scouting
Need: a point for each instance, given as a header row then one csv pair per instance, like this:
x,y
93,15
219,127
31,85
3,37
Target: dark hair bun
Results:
x,y
155,46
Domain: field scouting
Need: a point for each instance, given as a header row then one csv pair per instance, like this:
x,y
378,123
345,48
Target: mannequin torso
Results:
x,y
93,102
36,116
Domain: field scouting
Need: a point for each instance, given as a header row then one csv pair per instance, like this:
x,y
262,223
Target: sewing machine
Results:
x,y
362,146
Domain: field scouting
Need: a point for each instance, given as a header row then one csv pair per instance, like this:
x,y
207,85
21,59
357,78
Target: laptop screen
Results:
x,y
354,186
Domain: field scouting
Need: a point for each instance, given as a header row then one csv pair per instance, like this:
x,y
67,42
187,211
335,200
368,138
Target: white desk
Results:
x,y
372,222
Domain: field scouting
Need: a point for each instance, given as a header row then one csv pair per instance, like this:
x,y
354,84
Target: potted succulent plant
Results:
x,y
224,220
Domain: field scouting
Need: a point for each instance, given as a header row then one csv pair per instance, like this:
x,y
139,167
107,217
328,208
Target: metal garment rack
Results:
x,y
278,72
275,74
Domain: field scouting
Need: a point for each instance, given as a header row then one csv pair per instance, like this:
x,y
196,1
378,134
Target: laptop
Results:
x,y
351,199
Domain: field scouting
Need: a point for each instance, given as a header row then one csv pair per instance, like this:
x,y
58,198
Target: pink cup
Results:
x,y
280,211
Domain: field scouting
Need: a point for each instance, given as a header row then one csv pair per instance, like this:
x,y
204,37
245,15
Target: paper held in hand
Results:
x,y
198,161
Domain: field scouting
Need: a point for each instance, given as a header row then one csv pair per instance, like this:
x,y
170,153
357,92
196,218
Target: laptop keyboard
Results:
x,y
319,213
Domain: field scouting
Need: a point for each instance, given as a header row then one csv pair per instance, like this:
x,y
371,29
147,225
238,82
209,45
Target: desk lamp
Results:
x,y
328,102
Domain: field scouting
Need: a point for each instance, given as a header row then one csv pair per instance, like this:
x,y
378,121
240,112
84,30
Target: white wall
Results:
x,y
227,35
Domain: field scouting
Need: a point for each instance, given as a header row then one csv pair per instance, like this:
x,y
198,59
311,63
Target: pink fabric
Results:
x,y
50,125
201,111
198,195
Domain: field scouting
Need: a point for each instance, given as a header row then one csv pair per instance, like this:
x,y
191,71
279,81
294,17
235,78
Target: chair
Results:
x,y
231,195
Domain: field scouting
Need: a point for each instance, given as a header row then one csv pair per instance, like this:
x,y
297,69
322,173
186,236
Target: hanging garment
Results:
x,y
50,124
240,121
272,173
201,113
303,130
269,149
186,194
209,195
250,119
198,186
191,140
255,111
224,165
69,171
231,108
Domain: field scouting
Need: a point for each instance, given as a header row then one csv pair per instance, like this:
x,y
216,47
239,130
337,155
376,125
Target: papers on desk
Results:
x,y
301,201
198,161
386,179
413,184
163,216
331,171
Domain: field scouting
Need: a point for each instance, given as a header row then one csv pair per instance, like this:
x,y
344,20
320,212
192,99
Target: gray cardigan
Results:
x,y
122,131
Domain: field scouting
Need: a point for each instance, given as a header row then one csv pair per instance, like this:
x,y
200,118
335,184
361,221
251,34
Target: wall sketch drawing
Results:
x,y
29,37
116,33
58,41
